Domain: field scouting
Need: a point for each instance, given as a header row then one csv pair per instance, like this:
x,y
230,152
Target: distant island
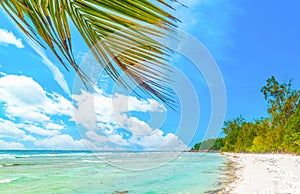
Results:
x,y
280,132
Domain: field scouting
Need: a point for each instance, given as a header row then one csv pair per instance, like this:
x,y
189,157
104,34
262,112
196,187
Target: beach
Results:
x,y
113,172
264,173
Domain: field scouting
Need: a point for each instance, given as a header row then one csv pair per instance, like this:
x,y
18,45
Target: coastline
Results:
x,y
263,173
228,176
83,172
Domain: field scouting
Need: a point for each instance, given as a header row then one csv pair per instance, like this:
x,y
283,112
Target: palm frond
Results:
x,y
118,32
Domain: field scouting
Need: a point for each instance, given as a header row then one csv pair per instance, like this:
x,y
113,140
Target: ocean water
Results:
x,y
109,172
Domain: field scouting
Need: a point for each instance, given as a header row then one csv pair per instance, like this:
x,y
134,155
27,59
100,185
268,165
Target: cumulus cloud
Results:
x,y
61,142
131,103
158,140
11,145
33,129
106,121
8,38
54,126
29,112
35,115
12,131
26,99
109,109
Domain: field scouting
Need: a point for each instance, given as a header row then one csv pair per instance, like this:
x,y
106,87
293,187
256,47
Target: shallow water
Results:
x,y
109,172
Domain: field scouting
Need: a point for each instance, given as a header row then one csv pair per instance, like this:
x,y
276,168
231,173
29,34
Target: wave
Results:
x,y
23,156
9,165
7,180
93,161
6,156
26,155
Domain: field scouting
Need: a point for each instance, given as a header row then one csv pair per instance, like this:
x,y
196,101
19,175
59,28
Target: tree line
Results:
x,y
279,132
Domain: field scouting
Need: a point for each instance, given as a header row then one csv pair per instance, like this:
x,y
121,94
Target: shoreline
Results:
x,y
227,177
263,173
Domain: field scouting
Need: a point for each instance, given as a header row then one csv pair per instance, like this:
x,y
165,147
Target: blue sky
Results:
x,y
250,41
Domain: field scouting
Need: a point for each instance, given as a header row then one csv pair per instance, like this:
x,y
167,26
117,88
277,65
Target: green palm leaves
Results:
x,y
118,32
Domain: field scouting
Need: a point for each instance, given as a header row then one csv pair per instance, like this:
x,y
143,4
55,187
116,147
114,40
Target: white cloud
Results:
x,y
58,76
118,140
11,145
30,110
159,141
109,109
102,116
97,138
64,142
131,103
54,126
38,130
138,127
8,38
11,130
84,115
26,99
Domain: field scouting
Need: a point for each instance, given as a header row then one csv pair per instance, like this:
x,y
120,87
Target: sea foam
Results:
x,y
7,180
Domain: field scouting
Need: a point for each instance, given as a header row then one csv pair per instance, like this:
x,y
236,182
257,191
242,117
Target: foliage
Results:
x,y
218,144
281,99
278,133
292,133
210,144
120,34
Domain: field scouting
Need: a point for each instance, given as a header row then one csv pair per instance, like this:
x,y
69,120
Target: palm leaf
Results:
x,y
118,32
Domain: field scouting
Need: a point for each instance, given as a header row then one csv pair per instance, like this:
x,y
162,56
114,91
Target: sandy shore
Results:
x,y
265,173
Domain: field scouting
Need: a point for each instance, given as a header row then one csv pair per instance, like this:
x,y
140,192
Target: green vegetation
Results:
x,y
108,27
280,132
210,144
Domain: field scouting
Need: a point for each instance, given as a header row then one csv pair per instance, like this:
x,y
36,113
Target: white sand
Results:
x,y
266,173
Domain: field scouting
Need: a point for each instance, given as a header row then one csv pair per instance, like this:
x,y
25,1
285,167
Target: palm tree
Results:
x,y
112,25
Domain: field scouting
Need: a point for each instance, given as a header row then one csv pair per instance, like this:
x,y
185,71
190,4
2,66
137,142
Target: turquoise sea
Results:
x,y
109,172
